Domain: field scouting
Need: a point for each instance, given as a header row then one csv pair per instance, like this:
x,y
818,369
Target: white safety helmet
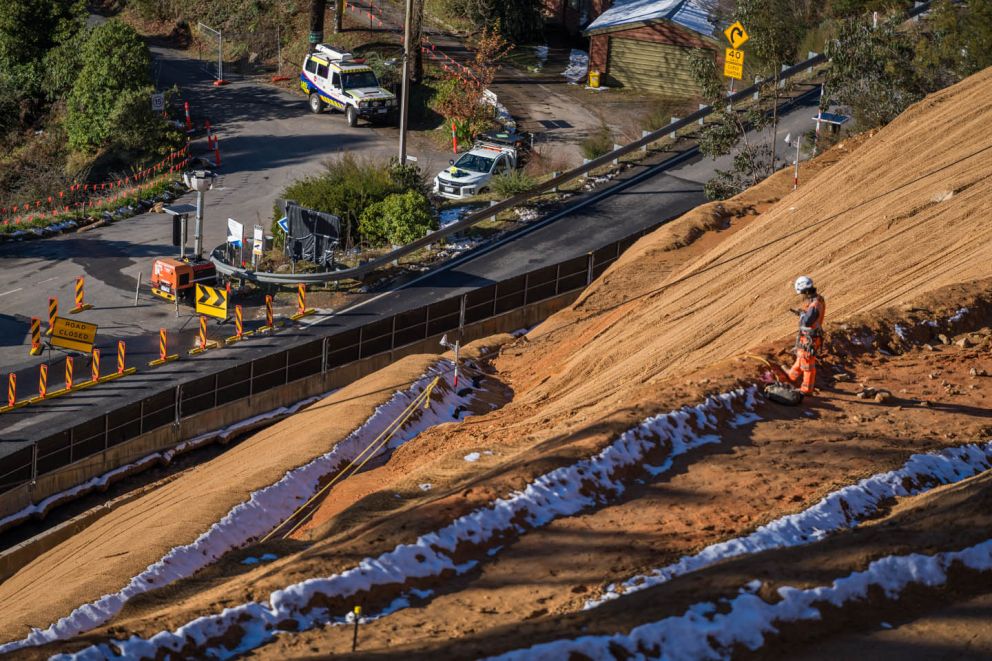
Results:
x,y
803,283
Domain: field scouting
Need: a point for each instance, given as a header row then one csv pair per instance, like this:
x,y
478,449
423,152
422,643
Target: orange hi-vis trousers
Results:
x,y
805,367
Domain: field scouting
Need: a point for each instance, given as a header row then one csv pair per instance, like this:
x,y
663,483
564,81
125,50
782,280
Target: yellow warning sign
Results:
x,y
733,64
736,35
73,335
211,301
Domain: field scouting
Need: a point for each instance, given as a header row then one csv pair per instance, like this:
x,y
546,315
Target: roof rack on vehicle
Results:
x,y
332,53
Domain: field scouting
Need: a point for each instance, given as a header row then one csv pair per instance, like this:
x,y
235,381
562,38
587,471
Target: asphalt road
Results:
x,y
268,138
651,197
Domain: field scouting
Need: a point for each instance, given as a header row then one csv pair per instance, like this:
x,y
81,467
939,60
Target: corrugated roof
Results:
x,y
687,13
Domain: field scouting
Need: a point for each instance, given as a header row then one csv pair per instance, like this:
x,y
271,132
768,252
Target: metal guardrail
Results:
x,y
171,405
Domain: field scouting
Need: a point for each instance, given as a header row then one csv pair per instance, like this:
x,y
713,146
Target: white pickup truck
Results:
x,y
493,154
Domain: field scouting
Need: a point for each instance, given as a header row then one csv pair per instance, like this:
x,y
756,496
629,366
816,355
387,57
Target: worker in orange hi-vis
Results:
x,y
809,341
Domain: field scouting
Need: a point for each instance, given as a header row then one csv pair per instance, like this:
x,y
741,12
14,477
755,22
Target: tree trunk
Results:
x,y
317,9
416,30
339,16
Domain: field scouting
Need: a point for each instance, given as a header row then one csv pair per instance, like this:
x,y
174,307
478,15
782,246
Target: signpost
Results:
x,y
733,62
211,301
258,243
73,335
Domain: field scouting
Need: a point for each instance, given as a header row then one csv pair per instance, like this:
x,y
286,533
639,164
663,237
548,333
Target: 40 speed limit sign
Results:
x,y
733,64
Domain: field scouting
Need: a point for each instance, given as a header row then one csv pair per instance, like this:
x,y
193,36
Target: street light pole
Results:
x,y
405,91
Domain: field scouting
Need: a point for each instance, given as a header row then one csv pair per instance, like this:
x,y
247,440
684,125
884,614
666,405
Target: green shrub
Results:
x,y
598,143
511,183
115,63
345,189
398,219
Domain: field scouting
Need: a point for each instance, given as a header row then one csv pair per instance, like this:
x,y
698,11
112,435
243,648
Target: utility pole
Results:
x,y
405,92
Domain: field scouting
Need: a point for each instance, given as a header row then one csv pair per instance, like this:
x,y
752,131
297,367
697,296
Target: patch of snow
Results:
x,y
541,52
527,214
742,419
562,492
264,509
472,457
901,332
959,315
844,508
691,14
712,631
578,66
452,215
426,486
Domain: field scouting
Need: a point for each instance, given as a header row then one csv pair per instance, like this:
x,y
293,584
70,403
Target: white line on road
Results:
x,y
47,280
12,291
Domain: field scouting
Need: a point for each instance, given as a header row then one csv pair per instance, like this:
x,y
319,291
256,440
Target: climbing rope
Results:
x,y
363,457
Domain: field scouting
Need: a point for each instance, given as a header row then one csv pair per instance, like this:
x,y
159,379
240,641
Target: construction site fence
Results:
x,y
306,359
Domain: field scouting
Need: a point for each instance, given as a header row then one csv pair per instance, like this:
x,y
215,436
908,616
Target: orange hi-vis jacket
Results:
x,y
810,336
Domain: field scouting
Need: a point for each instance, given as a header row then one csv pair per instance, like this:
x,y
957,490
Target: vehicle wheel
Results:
x,y
351,114
316,105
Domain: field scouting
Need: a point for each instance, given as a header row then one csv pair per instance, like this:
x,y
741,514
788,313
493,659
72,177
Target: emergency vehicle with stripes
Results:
x,y
332,77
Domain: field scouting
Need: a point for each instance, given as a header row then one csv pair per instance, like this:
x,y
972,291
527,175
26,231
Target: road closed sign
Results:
x,y
211,301
733,64
73,335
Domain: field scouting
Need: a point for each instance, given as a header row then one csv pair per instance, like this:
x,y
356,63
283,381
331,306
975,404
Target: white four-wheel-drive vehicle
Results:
x,y
492,154
332,77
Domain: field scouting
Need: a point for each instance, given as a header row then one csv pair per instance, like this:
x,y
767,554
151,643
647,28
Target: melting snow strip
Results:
x,y
844,508
265,509
562,492
711,630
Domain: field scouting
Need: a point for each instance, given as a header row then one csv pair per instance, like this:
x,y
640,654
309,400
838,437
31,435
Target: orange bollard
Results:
x,y
202,341
68,373
11,389
189,121
42,381
121,348
80,303
53,311
239,327
95,366
269,323
301,303
216,153
35,336
163,353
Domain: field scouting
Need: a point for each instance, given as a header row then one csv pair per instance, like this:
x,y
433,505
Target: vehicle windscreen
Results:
x,y
474,163
359,79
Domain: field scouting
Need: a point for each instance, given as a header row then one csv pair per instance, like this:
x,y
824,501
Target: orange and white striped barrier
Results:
x,y
163,350
301,303
202,342
35,336
80,303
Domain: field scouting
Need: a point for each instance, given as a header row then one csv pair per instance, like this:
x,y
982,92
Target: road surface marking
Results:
x,y
12,291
